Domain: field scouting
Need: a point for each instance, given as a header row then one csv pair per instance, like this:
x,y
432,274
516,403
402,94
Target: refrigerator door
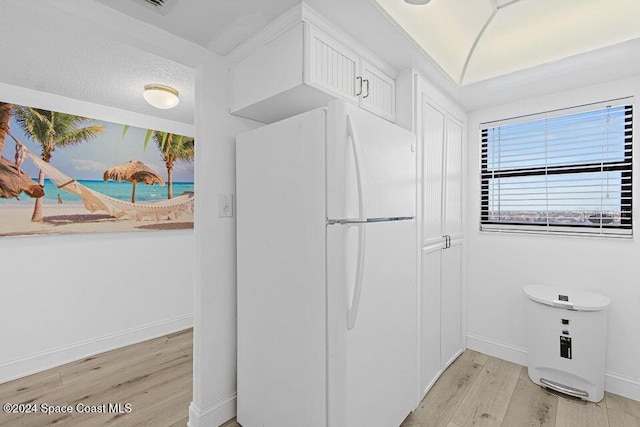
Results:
x,y
372,364
371,166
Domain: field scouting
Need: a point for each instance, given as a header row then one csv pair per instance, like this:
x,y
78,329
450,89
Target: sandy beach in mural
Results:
x,y
16,221
64,212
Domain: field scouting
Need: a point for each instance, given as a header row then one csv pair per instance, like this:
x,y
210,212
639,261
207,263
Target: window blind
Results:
x,y
569,171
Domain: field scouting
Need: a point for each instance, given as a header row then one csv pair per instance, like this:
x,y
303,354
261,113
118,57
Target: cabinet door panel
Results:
x,y
331,66
453,179
433,126
451,297
378,93
430,357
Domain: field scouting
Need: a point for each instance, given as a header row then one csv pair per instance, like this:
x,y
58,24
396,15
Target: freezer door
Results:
x,y
372,356
371,166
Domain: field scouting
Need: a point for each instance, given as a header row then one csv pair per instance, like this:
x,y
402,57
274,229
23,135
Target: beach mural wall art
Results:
x,y
61,174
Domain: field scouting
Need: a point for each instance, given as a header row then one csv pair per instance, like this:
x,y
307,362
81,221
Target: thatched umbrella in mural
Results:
x,y
12,180
134,171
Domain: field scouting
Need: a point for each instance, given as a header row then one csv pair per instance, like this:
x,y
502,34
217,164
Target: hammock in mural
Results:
x,y
96,201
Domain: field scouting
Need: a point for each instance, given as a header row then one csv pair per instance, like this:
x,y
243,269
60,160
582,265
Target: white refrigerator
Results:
x,y
327,311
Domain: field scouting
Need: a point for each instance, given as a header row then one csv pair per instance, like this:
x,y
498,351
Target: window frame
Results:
x,y
625,166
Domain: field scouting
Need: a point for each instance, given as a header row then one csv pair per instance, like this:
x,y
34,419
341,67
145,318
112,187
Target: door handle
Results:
x,y
367,82
357,289
355,144
359,80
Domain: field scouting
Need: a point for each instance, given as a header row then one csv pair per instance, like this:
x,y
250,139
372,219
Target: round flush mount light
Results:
x,y
161,96
418,2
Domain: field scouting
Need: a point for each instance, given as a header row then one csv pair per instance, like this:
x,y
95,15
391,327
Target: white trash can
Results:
x,y
566,337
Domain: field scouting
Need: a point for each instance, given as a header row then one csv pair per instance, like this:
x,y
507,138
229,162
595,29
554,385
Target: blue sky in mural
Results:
x,y
89,160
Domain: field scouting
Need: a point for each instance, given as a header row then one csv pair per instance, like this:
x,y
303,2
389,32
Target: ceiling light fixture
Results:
x,y
417,2
161,96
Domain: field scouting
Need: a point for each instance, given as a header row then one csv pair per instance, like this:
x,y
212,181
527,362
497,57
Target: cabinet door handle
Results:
x,y
367,82
359,80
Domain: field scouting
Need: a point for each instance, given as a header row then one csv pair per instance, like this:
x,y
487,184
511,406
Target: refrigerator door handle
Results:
x,y
355,144
357,290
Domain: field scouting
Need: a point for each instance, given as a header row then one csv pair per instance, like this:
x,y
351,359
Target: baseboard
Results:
x,y
21,367
428,388
623,386
454,358
213,415
497,349
614,383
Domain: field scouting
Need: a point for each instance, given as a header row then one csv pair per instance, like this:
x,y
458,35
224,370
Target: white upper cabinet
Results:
x,y
331,66
378,91
293,67
334,68
265,85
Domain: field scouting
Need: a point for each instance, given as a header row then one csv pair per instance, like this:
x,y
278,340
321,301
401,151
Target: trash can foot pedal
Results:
x,y
564,389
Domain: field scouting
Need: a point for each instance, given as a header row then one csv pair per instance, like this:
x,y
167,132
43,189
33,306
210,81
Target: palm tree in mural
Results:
x,y
53,130
173,148
13,181
5,117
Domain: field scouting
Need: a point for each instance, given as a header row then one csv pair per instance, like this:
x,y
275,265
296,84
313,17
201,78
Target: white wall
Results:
x,y
67,297
499,265
214,398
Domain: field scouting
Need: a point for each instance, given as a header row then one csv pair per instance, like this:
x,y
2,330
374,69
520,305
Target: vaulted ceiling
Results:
x,y
475,40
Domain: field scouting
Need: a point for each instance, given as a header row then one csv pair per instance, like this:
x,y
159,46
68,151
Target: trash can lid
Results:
x,y
569,299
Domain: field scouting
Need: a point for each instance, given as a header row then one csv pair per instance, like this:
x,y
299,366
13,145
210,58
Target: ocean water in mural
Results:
x,y
122,191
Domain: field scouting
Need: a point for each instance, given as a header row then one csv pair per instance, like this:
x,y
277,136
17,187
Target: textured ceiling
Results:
x,y
475,40
67,58
218,25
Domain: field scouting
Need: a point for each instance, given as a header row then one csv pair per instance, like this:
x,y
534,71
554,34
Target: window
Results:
x,y
566,171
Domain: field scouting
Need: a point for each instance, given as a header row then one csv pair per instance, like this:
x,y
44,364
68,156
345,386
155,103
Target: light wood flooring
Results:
x,y
155,377
479,390
482,391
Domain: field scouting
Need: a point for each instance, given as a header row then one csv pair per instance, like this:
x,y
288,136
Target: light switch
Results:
x,y
225,205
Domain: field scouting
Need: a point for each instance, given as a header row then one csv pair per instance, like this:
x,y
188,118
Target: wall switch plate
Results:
x,y
225,205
